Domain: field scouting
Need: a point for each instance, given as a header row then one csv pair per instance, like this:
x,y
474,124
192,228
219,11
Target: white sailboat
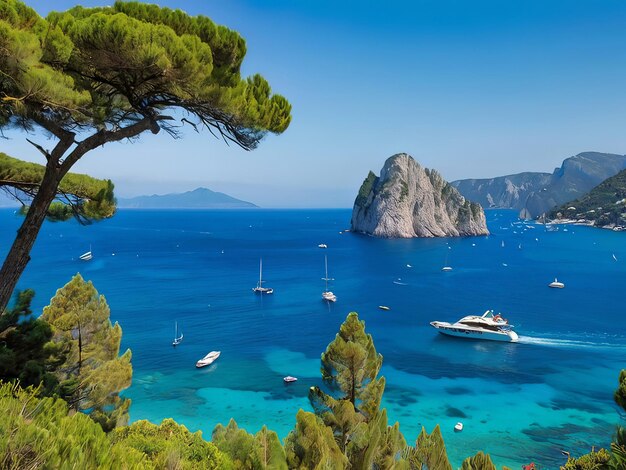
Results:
x,y
177,339
86,256
259,289
327,295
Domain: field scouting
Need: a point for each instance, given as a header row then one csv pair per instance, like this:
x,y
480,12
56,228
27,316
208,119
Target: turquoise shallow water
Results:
x,y
519,402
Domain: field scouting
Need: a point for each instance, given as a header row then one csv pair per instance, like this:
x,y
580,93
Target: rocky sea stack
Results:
x,y
409,201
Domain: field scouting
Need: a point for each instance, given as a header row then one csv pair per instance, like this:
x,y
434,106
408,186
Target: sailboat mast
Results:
x,y
260,271
326,271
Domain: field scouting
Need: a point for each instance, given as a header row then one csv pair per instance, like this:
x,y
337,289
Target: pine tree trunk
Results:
x,y
19,254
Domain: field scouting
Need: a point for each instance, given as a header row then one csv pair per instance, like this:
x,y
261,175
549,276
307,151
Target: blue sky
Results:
x,y
470,88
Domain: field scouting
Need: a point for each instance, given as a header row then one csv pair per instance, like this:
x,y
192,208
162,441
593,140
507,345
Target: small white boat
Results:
x,y
556,284
446,268
177,339
486,326
322,245
86,256
384,307
327,295
290,379
458,427
259,289
208,359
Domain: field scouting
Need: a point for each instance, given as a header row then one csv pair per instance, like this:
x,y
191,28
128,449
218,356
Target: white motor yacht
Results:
x,y
290,379
208,359
485,326
556,284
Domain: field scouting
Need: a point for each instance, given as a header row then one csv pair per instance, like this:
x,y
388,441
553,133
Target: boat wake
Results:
x,y
566,343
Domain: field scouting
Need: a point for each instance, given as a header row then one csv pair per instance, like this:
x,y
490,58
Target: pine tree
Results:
x,y
480,461
91,372
311,445
91,76
262,451
269,454
350,367
40,433
169,445
22,345
429,451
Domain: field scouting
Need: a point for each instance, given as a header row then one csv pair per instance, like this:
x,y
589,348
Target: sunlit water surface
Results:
x,y
518,402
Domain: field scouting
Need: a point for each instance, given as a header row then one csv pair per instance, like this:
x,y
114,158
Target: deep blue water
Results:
x,y
519,402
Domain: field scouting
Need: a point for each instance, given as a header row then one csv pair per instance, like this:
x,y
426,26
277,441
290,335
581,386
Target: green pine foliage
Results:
x,y
351,364
480,461
262,451
91,372
41,434
269,454
92,198
99,66
430,451
23,351
169,445
350,367
311,445
600,460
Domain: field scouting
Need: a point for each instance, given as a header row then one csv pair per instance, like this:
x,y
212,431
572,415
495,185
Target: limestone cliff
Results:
x,y
408,201
537,193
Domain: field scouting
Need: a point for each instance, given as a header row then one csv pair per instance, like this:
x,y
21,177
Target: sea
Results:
x,y
520,402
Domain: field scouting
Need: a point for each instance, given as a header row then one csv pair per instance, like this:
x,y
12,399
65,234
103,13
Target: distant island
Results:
x,y
604,206
408,200
200,198
534,194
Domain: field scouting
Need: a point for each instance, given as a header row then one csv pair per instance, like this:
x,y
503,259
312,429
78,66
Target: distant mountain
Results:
x,y
537,193
604,205
201,198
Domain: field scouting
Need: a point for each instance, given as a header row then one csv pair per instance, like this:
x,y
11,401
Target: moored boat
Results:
x,y
556,284
458,427
327,295
177,339
87,255
290,379
259,289
208,359
485,326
